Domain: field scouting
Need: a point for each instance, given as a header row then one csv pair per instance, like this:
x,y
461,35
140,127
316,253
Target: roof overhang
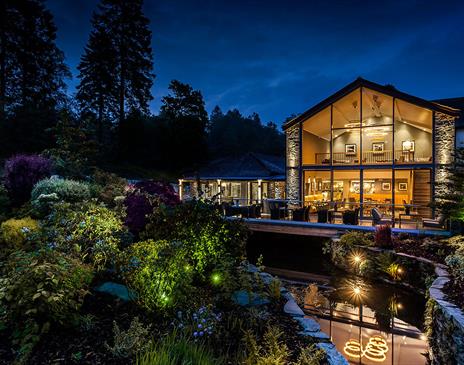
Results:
x,y
236,178
359,82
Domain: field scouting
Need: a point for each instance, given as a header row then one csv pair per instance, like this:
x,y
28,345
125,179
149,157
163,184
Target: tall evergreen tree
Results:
x,y
32,73
116,69
187,120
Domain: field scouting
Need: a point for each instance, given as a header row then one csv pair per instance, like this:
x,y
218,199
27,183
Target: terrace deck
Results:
x,y
326,229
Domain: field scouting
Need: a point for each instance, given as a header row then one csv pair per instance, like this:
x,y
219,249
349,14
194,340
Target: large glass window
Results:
x,y
316,186
346,130
377,128
346,187
378,191
377,139
316,139
413,188
413,133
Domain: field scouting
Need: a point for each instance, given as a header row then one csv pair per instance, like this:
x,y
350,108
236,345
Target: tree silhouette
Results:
x,y
32,73
116,69
184,113
234,134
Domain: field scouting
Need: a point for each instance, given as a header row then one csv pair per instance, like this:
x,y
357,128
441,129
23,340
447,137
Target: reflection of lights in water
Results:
x,y
375,349
353,349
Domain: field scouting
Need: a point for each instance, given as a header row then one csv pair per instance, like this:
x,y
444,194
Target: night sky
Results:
x,y
278,58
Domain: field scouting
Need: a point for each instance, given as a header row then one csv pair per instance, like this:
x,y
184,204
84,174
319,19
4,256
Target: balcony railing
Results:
x,y
373,157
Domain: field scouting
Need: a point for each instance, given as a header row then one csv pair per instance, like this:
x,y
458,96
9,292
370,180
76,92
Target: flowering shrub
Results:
x,y
93,232
142,198
200,324
14,233
383,237
40,289
48,191
22,172
159,272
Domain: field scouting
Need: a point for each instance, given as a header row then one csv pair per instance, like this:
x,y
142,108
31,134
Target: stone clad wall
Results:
x,y
444,150
445,325
293,162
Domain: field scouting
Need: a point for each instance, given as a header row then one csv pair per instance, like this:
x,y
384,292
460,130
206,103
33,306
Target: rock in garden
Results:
x,y
308,324
245,299
118,290
293,309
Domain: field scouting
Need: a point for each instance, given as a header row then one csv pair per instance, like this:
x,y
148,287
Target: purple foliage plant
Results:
x,y
22,172
142,198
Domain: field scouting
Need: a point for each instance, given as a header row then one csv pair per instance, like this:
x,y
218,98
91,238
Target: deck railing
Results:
x,y
372,158
325,211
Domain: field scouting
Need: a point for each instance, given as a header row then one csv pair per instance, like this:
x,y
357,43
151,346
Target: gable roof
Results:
x,y
251,166
386,89
455,103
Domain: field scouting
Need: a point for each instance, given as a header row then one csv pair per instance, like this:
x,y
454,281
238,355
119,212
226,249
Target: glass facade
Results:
x,y
374,150
369,128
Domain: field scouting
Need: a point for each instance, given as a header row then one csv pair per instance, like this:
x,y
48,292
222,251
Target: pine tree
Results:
x,y
185,115
32,70
116,69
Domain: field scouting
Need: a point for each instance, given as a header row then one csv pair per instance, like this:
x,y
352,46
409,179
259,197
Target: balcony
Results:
x,y
373,158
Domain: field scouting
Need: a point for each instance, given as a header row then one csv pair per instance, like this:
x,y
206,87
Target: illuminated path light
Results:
x,y
216,278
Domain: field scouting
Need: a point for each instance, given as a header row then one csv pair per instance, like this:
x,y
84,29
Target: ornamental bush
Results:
x,y
109,186
48,191
357,238
22,172
14,233
209,239
142,198
456,265
40,289
159,272
4,203
93,232
383,236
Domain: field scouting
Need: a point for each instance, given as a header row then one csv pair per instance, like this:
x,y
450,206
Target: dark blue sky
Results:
x,y
281,57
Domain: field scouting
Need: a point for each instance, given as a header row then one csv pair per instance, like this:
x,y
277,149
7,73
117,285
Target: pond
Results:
x,y
370,322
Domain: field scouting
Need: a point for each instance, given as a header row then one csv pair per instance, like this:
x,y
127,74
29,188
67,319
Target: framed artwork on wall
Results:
x,y
351,149
378,147
386,186
355,187
403,186
408,146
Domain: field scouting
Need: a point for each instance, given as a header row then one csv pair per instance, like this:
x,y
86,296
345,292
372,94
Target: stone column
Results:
x,y
293,162
444,152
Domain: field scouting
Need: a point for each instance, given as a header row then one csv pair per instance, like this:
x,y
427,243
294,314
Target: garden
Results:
x,y
98,270
431,267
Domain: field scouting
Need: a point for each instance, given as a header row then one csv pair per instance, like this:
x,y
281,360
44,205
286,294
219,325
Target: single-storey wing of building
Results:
x,y
243,180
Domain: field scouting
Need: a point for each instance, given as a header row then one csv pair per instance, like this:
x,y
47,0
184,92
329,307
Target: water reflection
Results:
x,y
370,324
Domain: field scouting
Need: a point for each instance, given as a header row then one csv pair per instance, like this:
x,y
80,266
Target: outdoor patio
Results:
x,y
405,217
